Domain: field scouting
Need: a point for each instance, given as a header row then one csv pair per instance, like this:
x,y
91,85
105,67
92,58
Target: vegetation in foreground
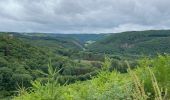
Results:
x,y
149,81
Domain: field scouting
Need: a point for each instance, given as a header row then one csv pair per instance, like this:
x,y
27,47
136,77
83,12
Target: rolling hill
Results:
x,y
135,42
82,37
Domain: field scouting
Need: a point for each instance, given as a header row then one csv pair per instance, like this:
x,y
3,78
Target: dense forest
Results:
x,y
134,43
43,66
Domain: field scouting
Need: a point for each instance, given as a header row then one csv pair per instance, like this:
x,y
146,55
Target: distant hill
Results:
x,y
50,40
82,38
135,42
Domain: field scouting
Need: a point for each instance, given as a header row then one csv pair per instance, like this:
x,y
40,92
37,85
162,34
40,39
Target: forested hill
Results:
x,y
45,58
22,59
50,40
134,42
18,61
82,37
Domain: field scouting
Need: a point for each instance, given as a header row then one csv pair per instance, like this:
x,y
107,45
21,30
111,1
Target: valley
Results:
x,y
70,61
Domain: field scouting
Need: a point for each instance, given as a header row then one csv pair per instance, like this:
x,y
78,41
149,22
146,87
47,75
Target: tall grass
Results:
x,y
139,92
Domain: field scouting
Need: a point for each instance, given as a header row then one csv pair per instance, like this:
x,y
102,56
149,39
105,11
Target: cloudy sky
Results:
x,y
83,16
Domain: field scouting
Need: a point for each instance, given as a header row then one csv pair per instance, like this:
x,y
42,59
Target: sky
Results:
x,y
84,16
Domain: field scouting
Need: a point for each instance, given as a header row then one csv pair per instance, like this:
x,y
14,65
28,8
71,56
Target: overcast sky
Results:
x,y
83,16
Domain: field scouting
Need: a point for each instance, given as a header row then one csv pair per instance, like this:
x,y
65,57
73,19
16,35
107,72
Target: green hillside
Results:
x,y
23,58
135,42
50,40
45,67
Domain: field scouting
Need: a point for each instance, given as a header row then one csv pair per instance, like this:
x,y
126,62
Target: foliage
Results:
x,y
105,85
21,57
161,68
110,85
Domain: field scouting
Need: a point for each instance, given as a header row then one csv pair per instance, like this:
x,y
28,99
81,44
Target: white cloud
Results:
x,y
83,15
